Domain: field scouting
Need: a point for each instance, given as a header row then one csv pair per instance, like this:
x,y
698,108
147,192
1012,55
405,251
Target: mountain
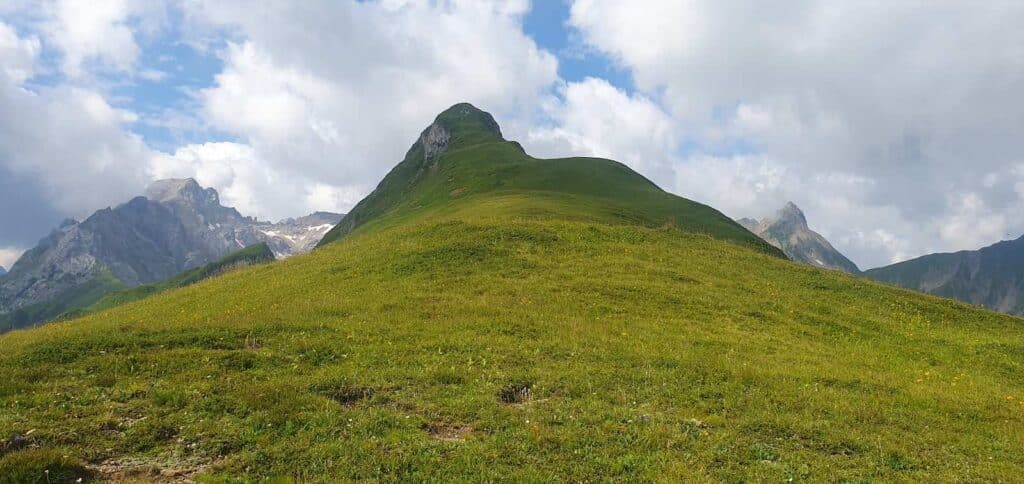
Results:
x,y
177,225
489,316
480,162
788,230
2,271
992,277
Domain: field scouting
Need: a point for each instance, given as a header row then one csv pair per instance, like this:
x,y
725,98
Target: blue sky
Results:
x,y
294,107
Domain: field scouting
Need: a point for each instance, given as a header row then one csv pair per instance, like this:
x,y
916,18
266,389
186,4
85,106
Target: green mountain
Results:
x,y
992,277
488,316
788,231
462,158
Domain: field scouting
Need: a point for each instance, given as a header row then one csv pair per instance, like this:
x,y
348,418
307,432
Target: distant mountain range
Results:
x,y
992,276
788,230
177,225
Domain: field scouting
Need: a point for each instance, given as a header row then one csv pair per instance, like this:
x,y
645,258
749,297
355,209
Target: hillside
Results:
x,y
463,156
788,230
992,277
252,255
515,331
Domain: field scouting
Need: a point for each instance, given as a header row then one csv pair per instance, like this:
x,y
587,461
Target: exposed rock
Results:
x,y
788,231
435,140
176,226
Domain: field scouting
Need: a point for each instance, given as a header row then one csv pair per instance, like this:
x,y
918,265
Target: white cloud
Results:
x,y
8,255
68,139
337,91
594,118
86,30
918,99
17,55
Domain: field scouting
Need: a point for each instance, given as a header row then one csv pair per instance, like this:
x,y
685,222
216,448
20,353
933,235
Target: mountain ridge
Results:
x,y
462,155
992,276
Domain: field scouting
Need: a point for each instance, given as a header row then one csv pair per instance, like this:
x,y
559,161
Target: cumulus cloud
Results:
x,y
64,137
892,124
342,105
594,118
919,99
8,255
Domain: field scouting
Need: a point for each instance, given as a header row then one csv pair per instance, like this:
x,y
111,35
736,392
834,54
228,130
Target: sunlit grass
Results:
x,y
504,338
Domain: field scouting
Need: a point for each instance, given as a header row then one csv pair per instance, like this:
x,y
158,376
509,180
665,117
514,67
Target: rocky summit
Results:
x,y
177,225
788,230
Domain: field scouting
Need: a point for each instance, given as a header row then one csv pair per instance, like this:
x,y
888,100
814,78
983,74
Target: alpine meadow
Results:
x,y
485,315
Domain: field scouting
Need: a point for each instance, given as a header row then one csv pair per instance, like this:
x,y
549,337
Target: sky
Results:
x,y
895,125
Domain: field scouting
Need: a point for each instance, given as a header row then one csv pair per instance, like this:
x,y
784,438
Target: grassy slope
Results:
x,y
254,254
649,352
478,161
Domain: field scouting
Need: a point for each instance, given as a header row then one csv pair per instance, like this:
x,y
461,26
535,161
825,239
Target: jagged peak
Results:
x,y
791,213
180,189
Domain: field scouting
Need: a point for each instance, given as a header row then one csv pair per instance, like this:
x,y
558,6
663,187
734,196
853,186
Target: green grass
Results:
x,y
648,353
529,335
36,466
479,162
255,254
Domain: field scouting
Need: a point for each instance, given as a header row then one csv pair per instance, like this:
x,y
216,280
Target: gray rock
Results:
x,y
788,231
176,226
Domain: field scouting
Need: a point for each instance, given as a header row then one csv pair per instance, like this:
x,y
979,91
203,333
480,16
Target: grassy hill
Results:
x,y
514,333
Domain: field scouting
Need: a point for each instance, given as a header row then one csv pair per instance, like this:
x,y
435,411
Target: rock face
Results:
x,y
992,277
788,231
177,225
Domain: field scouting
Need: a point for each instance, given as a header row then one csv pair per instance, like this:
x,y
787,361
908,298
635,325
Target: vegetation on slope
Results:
x,y
532,335
478,161
254,254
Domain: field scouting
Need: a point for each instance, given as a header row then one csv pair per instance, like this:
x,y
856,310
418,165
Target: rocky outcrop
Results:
x,y
177,225
788,230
